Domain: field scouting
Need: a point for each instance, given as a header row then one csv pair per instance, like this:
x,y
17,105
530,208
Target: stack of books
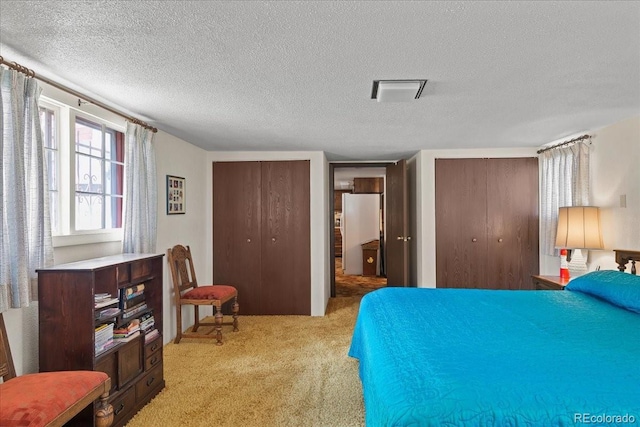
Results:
x,y
132,301
147,322
150,336
103,337
104,300
127,330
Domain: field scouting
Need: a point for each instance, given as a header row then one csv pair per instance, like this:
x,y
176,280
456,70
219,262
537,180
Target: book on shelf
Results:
x,y
127,329
151,335
104,302
126,304
134,311
103,336
132,291
106,347
127,338
109,313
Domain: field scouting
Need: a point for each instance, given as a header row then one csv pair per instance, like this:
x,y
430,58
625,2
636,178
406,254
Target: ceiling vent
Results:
x,y
397,90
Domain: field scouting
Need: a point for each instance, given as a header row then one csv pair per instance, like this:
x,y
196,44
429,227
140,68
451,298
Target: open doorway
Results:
x,y
358,219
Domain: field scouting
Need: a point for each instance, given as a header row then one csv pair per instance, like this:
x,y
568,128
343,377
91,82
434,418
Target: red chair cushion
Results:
x,y
37,399
210,292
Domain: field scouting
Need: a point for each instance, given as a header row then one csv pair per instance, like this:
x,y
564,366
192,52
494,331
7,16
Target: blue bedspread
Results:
x,y
496,358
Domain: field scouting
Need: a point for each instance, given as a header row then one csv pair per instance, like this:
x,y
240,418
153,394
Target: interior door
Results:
x,y
237,231
512,222
286,238
397,239
461,217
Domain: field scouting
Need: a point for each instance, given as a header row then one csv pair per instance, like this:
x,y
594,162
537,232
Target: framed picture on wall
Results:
x,y
176,195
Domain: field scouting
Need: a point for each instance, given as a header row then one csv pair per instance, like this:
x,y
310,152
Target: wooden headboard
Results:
x,y
624,256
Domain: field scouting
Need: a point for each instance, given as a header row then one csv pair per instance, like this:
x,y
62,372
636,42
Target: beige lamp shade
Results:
x,y
579,228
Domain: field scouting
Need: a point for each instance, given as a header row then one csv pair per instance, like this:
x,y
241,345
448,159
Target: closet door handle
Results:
x,y
248,240
500,240
273,239
474,240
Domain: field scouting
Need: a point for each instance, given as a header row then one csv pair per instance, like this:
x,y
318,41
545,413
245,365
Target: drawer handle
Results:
x,y
150,381
120,408
154,360
154,347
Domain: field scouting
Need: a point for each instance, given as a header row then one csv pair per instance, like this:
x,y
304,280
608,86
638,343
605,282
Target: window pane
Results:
x,y
88,212
113,175
53,212
113,212
88,137
52,168
114,145
48,125
88,174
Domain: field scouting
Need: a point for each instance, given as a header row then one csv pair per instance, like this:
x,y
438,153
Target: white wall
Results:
x,y
320,225
179,158
615,171
426,202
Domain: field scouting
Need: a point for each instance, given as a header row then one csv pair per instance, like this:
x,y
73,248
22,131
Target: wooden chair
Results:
x,y
49,398
188,292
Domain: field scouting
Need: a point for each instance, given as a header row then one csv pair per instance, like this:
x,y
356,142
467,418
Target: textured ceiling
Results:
x,y
297,75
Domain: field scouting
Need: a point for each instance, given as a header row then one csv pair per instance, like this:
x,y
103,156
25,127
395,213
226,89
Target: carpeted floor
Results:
x,y
276,371
350,286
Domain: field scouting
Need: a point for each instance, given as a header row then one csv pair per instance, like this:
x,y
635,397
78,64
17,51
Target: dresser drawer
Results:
x,y
153,346
153,360
149,382
123,405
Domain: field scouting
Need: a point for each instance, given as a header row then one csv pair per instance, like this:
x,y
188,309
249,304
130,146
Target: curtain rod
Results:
x,y
30,73
571,141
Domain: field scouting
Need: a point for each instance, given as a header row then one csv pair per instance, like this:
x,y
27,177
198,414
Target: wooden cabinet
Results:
x,y
368,185
486,223
261,234
548,283
68,320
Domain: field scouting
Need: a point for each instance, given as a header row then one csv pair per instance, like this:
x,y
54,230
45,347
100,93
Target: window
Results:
x,y
49,133
85,160
99,158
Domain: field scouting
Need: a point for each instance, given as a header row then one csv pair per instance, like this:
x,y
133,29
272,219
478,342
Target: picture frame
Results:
x,y
176,195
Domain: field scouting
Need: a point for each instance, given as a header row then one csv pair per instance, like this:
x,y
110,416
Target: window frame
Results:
x,y
65,117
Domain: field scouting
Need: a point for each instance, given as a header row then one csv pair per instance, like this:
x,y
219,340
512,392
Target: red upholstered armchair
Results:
x,y
49,398
187,291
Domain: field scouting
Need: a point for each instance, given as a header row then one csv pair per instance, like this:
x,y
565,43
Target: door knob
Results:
x,y
273,239
500,240
474,240
400,238
248,240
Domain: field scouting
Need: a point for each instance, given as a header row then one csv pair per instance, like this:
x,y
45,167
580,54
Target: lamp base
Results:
x,y
578,263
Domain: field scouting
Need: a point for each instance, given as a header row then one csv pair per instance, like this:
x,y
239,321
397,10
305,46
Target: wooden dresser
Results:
x,y
70,322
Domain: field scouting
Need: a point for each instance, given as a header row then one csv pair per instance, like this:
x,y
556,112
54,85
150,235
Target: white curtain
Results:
x,y
565,182
141,191
25,236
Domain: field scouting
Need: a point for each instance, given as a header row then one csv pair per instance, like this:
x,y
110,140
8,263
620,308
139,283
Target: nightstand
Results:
x,y
548,283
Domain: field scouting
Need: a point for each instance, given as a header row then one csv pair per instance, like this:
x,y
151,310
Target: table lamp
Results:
x,y
578,229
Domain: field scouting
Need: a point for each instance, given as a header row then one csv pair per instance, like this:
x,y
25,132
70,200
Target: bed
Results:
x,y
448,357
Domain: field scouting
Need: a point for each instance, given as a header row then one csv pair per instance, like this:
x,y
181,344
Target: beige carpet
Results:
x,y
276,371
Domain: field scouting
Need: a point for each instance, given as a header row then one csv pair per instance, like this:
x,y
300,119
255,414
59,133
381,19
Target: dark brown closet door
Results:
x,y
286,241
461,218
512,222
237,232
